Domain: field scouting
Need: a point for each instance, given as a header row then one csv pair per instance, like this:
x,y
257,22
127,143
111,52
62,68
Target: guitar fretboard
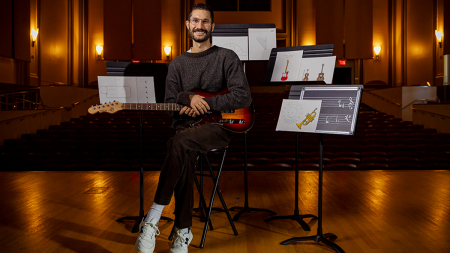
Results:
x,y
152,106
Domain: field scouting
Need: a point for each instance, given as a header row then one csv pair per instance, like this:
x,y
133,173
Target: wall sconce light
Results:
x,y
439,38
99,50
34,34
168,51
377,50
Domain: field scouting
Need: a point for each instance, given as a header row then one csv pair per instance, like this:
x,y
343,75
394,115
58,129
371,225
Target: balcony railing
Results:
x,y
20,100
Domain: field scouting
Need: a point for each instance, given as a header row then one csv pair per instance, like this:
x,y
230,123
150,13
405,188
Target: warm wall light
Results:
x,y
439,38
377,50
99,50
34,34
168,51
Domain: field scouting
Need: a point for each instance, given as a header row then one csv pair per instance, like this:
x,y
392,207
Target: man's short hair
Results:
x,y
202,6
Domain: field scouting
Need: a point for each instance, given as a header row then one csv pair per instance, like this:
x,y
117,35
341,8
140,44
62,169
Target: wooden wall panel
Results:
x,y
117,30
446,43
420,39
147,30
53,42
358,29
22,32
276,16
330,24
6,24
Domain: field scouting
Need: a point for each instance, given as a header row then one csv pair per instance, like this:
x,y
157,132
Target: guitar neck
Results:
x,y
152,106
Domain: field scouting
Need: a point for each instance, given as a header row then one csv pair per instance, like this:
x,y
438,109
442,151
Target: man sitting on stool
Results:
x,y
211,69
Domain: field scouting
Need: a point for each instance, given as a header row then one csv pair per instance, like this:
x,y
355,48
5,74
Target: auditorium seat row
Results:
x,y
112,142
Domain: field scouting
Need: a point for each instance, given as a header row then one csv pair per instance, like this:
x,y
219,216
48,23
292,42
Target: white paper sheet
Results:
x,y
126,89
261,41
299,115
313,69
287,66
239,44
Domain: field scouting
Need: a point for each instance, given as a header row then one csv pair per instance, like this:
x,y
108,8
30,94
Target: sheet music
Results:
x,y
339,107
126,89
239,44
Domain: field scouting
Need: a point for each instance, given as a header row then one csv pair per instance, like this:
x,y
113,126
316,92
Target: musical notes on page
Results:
x,y
338,102
351,104
335,118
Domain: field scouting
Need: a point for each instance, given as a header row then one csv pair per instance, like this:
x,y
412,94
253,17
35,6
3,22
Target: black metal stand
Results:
x,y
296,216
138,219
246,208
320,237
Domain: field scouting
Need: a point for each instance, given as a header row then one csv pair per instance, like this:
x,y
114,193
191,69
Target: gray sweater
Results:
x,y
212,70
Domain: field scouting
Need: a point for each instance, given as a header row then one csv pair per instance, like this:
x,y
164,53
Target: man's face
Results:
x,y
200,32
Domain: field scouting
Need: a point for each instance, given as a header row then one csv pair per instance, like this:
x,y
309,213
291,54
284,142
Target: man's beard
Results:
x,y
196,39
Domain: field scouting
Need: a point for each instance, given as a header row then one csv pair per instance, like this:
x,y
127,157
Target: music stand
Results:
x,y
308,52
345,116
138,219
246,208
159,72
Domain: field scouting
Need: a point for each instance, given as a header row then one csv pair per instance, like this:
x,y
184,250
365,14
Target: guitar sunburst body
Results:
x,y
238,121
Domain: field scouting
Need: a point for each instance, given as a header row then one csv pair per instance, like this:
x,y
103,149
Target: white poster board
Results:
x,y
317,68
239,44
299,115
287,66
260,42
126,89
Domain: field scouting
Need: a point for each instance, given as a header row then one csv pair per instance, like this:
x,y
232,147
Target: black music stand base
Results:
x,y
246,208
295,217
324,238
320,237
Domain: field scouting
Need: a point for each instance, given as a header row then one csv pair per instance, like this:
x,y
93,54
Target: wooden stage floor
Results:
x,y
369,211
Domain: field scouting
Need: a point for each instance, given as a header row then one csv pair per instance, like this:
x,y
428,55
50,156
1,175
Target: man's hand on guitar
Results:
x,y
198,104
188,111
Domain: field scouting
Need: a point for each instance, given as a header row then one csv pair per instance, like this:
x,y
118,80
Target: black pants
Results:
x,y
178,171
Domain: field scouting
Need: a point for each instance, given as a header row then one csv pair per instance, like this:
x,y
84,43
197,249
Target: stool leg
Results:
x,y
208,216
215,190
202,200
216,180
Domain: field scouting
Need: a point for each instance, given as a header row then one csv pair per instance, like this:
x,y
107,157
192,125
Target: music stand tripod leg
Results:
x,y
320,237
296,216
246,208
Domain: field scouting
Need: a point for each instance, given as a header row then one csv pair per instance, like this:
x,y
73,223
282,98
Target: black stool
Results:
x,y
215,178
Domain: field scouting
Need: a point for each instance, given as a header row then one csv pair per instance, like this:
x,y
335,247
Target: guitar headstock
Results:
x,y
111,107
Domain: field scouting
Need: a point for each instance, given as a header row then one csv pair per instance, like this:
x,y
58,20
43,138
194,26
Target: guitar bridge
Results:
x,y
232,121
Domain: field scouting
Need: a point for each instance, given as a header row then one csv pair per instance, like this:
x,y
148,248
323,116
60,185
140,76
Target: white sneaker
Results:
x,y
180,241
145,242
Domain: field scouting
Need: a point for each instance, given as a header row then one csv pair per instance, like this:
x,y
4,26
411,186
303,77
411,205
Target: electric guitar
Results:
x,y
238,121
284,76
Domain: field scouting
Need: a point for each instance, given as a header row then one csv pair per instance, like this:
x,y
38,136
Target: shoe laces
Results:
x,y
149,231
179,239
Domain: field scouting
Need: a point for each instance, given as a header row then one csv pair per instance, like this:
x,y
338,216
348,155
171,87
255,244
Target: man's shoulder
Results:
x,y
224,50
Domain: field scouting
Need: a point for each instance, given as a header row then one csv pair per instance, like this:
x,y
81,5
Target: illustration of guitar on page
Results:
x,y
306,75
321,77
284,76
